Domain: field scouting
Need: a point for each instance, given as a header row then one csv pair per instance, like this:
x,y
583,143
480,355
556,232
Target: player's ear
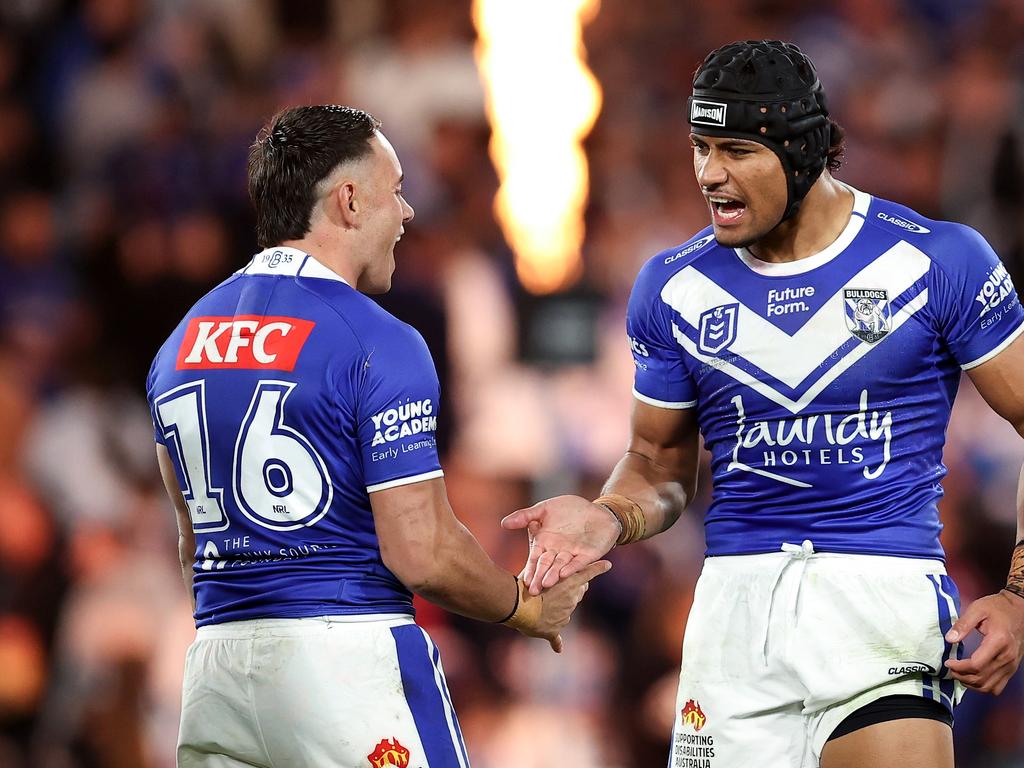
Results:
x,y
345,204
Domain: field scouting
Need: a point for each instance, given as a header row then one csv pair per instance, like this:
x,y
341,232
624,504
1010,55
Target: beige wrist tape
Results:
x,y
526,616
628,513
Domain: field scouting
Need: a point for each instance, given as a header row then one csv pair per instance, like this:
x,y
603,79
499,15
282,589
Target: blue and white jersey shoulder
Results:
x,y
285,397
823,387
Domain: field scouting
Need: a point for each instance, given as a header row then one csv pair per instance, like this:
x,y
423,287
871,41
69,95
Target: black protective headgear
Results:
x,y
766,91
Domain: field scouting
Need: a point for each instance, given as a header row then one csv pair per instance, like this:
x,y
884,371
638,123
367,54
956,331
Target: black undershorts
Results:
x,y
893,708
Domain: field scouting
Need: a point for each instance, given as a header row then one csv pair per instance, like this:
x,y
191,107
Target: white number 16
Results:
x,y
278,479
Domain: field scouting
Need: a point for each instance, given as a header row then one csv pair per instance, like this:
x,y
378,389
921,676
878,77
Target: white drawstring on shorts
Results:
x,y
798,553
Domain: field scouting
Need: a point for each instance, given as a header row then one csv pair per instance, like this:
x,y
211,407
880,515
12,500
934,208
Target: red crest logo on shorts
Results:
x,y
693,715
389,754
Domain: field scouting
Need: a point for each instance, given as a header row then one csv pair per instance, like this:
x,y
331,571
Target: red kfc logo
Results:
x,y
243,341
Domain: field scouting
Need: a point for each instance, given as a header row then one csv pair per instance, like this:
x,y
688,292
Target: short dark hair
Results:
x,y
297,149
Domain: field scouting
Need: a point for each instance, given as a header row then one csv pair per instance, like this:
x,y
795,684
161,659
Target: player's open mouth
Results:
x,y
726,211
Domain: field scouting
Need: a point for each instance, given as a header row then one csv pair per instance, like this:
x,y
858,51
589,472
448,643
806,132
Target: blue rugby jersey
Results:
x,y
284,398
823,387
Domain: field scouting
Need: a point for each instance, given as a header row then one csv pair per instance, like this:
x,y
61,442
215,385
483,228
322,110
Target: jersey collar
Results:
x,y
288,261
861,203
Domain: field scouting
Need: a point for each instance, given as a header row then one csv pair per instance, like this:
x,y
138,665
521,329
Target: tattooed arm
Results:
x,y
999,617
1015,581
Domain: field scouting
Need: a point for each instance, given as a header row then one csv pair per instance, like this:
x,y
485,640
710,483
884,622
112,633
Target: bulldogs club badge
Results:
x,y
867,313
692,715
389,754
717,328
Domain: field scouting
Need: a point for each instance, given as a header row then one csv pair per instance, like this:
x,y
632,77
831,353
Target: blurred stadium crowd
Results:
x,y
124,127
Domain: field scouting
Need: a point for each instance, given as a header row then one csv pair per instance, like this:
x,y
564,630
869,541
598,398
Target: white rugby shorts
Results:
x,y
332,692
781,647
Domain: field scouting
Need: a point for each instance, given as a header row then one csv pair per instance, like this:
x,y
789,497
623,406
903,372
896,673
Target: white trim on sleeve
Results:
x,y
662,403
405,481
989,355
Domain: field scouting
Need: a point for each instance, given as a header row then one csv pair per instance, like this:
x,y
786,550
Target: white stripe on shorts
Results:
x,y
953,616
448,714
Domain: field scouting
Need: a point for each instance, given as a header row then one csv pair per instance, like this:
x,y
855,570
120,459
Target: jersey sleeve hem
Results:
x,y
663,403
999,348
405,481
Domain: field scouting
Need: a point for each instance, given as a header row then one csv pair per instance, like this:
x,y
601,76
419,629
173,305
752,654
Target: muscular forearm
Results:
x,y
465,581
462,578
657,490
433,554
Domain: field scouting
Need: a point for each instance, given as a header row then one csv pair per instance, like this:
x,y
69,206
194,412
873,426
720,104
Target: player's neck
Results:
x,y
822,217
328,251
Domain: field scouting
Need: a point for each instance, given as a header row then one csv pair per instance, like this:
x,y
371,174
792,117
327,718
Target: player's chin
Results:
x,y
740,237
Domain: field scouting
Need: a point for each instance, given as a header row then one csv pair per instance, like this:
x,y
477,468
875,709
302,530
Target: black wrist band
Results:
x,y
514,607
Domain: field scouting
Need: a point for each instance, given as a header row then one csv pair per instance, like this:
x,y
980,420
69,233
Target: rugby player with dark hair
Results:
x,y
815,336
294,421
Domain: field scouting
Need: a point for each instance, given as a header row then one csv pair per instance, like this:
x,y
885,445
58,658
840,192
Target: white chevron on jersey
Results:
x,y
791,359
795,406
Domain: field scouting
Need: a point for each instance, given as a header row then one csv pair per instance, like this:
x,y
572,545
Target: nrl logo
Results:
x,y
692,715
717,328
708,112
867,313
389,754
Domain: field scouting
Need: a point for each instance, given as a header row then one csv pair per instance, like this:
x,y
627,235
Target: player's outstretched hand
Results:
x,y
558,603
567,533
1000,619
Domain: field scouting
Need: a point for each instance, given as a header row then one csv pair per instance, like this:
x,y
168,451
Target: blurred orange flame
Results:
x,y
542,101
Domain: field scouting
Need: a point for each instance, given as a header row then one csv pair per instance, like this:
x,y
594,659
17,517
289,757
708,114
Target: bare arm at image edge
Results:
x,y
999,617
186,538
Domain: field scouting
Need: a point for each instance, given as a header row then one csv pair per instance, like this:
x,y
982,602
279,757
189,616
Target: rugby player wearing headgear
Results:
x,y
295,434
815,336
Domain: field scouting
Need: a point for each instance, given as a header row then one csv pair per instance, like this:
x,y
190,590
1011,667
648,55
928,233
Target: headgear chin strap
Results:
x,y
766,91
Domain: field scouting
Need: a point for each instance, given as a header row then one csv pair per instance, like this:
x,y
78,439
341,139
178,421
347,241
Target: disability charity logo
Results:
x,y
692,715
692,750
389,754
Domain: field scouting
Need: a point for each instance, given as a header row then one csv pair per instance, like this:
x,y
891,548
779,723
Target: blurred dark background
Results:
x,y
124,127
